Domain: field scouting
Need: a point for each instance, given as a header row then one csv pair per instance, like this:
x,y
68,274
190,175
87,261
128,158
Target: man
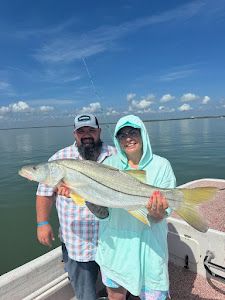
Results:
x,y
78,226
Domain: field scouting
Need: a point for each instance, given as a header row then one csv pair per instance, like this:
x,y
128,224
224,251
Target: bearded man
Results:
x,y
78,226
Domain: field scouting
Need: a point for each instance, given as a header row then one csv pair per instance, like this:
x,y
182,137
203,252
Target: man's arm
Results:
x,y
45,233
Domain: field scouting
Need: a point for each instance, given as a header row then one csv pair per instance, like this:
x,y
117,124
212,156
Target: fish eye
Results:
x,y
34,168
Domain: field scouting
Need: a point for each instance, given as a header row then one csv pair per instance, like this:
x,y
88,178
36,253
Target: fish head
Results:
x,y
39,173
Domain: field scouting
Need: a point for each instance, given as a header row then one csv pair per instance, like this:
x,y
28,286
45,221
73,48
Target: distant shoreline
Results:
x,y
111,123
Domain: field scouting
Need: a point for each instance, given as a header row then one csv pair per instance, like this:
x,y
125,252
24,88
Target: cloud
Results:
x,y
40,32
112,112
6,88
4,109
23,107
166,98
4,85
46,108
142,105
70,48
205,100
19,106
66,50
189,97
163,108
59,75
185,107
51,101
92,108
130,96
177,75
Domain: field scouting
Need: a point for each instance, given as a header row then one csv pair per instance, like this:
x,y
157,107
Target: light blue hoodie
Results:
x,y
129,252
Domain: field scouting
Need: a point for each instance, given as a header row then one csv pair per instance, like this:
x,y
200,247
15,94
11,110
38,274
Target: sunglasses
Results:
x,y
133,133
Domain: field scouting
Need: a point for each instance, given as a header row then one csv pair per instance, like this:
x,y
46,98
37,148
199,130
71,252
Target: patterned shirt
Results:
x,y
78,226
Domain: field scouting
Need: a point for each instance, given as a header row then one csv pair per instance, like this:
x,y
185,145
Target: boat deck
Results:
x,y
186,284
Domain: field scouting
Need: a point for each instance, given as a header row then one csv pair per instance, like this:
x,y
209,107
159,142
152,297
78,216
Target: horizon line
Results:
x,y
111,123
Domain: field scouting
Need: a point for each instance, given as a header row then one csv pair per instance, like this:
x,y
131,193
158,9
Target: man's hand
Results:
x,y
157,205
63,190
45,235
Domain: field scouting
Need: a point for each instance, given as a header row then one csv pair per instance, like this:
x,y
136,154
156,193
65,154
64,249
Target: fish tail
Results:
x,y
191,199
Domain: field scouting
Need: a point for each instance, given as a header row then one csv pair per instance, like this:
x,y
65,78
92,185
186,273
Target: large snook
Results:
x,y
109,187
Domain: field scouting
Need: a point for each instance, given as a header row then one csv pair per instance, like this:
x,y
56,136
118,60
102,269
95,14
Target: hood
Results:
x,y
135,122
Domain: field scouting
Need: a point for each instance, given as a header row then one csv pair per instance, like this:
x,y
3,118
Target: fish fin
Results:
x,y
192,217
141,214
195,196
77,199
138,174
192,198
100,212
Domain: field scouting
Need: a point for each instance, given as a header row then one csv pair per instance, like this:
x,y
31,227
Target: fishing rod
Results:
x,y
97,95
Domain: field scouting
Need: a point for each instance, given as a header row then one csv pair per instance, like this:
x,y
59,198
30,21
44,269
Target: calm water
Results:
x,y
195,148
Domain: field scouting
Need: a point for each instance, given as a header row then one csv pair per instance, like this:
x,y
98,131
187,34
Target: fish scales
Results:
x,y
106,186
111,177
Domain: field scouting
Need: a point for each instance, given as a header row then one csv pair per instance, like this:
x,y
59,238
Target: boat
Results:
x,y
196,261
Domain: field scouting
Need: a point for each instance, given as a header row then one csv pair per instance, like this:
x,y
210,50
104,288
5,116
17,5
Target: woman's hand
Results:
x,y
63,190
157,205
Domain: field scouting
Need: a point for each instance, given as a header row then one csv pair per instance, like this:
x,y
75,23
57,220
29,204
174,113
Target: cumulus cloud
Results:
x,y
4,109
142,105
20,106
130,96
163,108
166,98
205,100
23,107
189,97
92,108
111,111
185,107
46,108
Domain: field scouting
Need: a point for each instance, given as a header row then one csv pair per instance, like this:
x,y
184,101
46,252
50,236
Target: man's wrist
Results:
x,y
39,224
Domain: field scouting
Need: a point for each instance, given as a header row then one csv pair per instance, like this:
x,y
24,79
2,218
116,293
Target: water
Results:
x,y
195,149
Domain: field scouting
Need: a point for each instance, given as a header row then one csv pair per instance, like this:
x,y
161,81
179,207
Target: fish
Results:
x,y
101,187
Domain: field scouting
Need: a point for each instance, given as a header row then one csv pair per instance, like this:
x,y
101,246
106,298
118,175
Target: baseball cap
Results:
x,y
85,120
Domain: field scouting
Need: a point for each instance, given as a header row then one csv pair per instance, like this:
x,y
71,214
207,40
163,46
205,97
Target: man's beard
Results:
x,y
91,150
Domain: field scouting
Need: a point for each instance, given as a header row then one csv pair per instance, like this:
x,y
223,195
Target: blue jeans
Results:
x,y
82,276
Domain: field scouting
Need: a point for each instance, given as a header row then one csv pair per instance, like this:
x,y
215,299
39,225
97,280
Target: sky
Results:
x,y
154,58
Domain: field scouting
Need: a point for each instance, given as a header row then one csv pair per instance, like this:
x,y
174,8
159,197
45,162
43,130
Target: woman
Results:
x,y
134,256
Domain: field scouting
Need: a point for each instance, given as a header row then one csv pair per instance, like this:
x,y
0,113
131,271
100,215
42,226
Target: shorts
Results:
x,y
146,293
